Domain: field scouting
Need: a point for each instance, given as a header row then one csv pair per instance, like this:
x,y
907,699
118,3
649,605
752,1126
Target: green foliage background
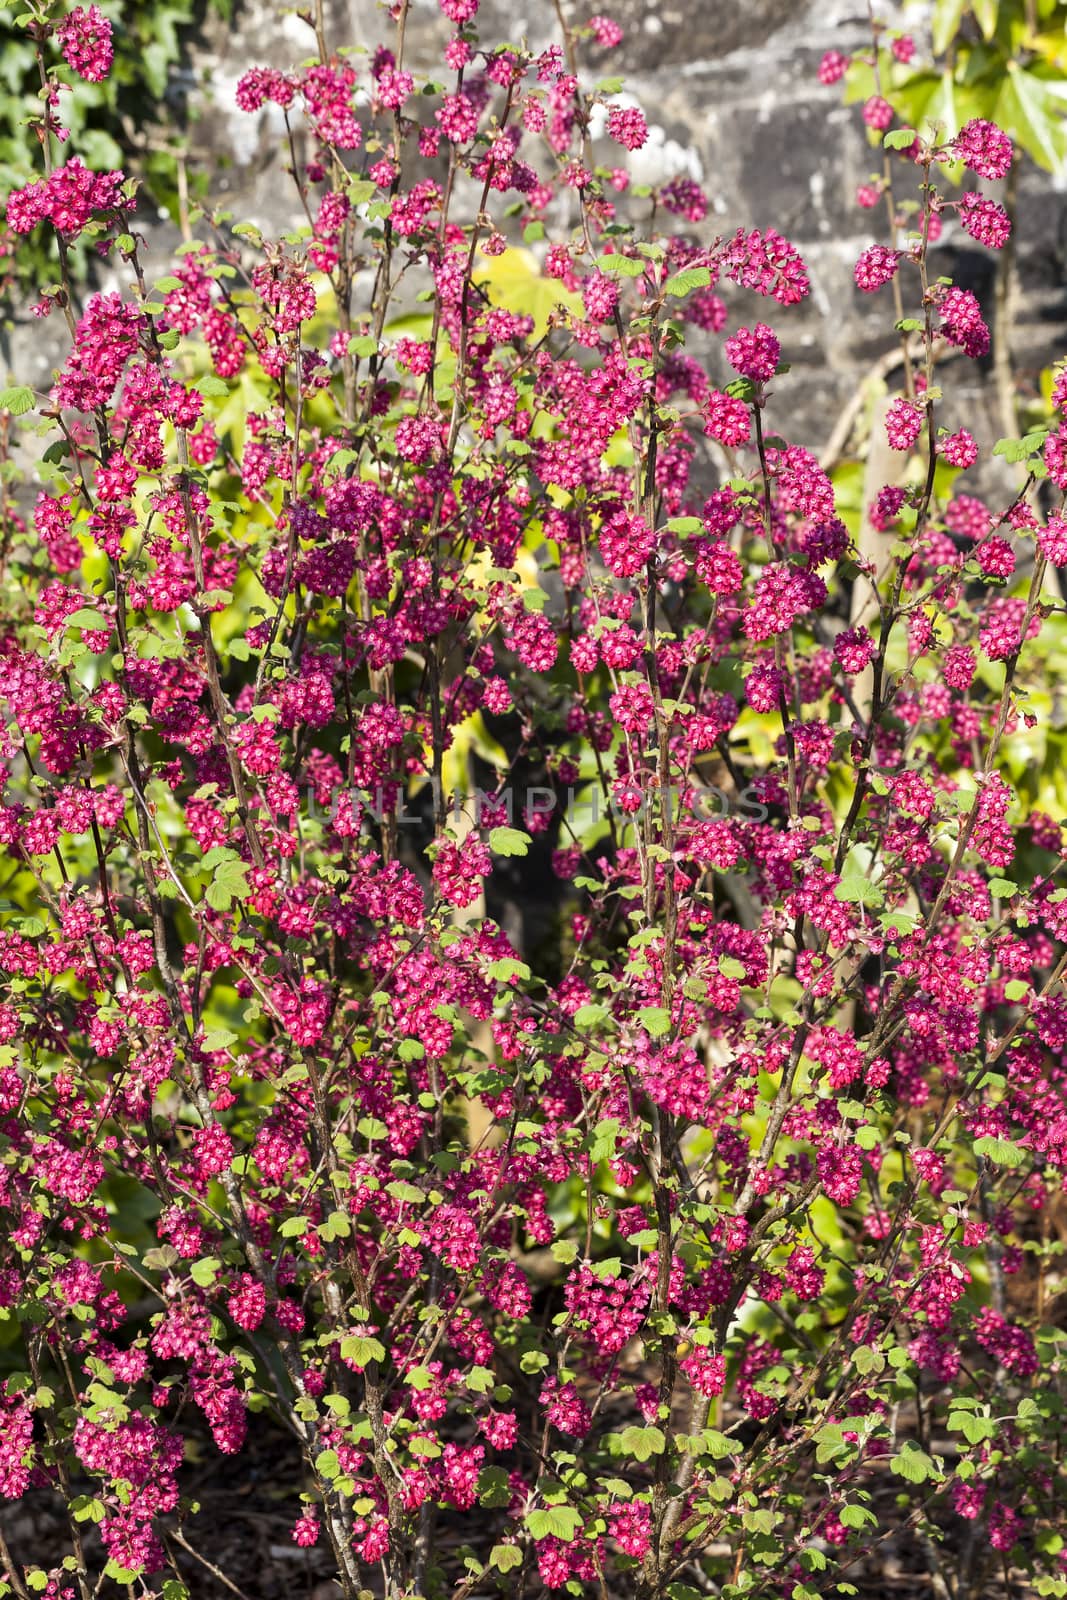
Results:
x,y
134,119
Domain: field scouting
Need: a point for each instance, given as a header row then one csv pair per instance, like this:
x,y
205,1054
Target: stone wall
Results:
x,y
731,92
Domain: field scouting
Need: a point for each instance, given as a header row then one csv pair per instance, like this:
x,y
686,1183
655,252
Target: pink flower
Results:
x,y
878,113
754,352
984,220
903,424
726,418
875,267
959,449
84,37
983,147
627,126
961,322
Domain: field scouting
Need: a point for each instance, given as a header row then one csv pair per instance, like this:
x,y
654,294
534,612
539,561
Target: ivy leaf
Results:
x,y
514,280
1030,109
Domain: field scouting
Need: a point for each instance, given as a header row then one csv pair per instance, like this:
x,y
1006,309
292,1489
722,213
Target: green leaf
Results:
x,y
555,1522
643,1443
360,1351
230,883
1021,449
406,1192
1002,888
505,1556
18,400
605,1140
899,139
507,968
1030,109
493,1488
336,1226
914,1464
857,889
508,842
86,617
114,1569
655,1020
622,266
218,1039
1001,1152
160,1258
210,386
945,25
682,283
204,1272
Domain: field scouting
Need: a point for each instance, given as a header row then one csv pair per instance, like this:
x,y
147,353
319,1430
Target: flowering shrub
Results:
x,y
720,1247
